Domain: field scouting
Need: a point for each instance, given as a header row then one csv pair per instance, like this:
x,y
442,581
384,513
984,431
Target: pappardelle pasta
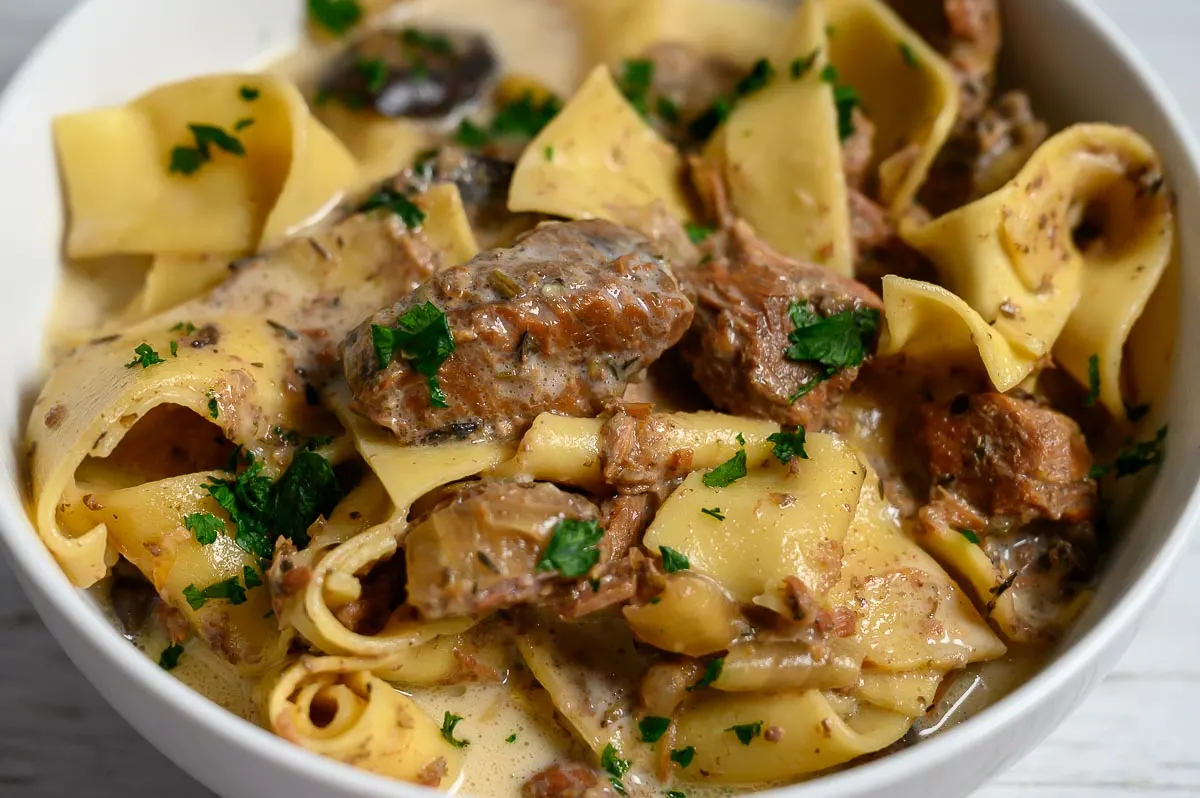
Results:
x,y
602,397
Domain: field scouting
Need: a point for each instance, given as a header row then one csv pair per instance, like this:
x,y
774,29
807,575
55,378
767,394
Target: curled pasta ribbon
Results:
x,y
290,170
1012,260
334,706
782,157
907,85
597,159
94,397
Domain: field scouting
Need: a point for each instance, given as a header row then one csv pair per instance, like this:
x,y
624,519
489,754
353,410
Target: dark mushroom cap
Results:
x,y
411,72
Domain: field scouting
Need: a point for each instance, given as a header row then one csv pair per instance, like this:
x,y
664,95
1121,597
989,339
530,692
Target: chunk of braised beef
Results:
x,y
559,322
570,780
737,343
411,72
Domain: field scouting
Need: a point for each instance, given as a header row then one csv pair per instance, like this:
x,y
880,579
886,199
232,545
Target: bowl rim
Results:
x,y
38,572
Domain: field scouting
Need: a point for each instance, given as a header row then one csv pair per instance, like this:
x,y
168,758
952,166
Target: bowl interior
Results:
x,y
1076,67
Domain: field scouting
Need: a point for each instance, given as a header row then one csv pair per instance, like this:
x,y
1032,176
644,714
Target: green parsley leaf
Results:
x,y
572,548
676,794
760,75
683,756
788,445
335,16
422,337
846,99
746,732
753,82
243,123
698,232
829,74
174,347
449,721
1135,457
169,657
392,200
612,762
728,472
145,356
307,490
512,738
653,728
430,42
836,342
673,560
969,535
801,66
712,672
318,442
185,160
247,499
251,578
185,327
549,153
214,407
375,72
909,55
830,31
668,111
525,117
211,135
637,75
471,135
1093,394
715,512
248,93
228,590
703,126
205,526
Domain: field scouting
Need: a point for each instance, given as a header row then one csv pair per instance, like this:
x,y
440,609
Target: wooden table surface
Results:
x,y
1133,737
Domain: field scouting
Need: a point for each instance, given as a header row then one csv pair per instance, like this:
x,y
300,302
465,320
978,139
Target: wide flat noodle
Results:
x,y
293,169
907,87
1012,260
598,159
782,157
334,706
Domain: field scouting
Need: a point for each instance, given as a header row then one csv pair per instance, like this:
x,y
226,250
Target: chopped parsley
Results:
x,y
512,738
1135,457
970,536
637,75
248,93
549,152
683,756
653,728
835,342
429,42
169,657
187,160
698,232
755,81
788,445
395,201
1093,394
801,66
422,337
846,99
185,327
251,578
572,548
615,766
230,590
335,16
746,732
243,123
676,794
668,111
471,135
712,672
144,356
247,499
715,512
673,560
318,442
375,72
307,490
449,721
728,472
174,347
205,526
526,116
214,407
909,55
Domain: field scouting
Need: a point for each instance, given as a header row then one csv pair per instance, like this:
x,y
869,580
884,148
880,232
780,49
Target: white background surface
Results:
x,y
1133,737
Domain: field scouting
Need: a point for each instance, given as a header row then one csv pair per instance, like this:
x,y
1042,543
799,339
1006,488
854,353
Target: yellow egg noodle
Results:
x,y
351,424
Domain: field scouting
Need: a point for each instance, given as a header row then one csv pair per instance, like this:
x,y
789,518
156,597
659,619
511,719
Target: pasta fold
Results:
x,y
263,181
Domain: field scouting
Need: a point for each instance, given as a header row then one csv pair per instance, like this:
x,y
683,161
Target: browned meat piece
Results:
x,y
737,342
478,549
985,153
710,187
625,519
858,150
690,81
879,249
666,685
1010,459
569,781
635,453
617,584
559,322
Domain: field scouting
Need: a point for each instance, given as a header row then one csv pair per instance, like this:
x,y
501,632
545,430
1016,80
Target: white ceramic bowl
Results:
x,y
1075,63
